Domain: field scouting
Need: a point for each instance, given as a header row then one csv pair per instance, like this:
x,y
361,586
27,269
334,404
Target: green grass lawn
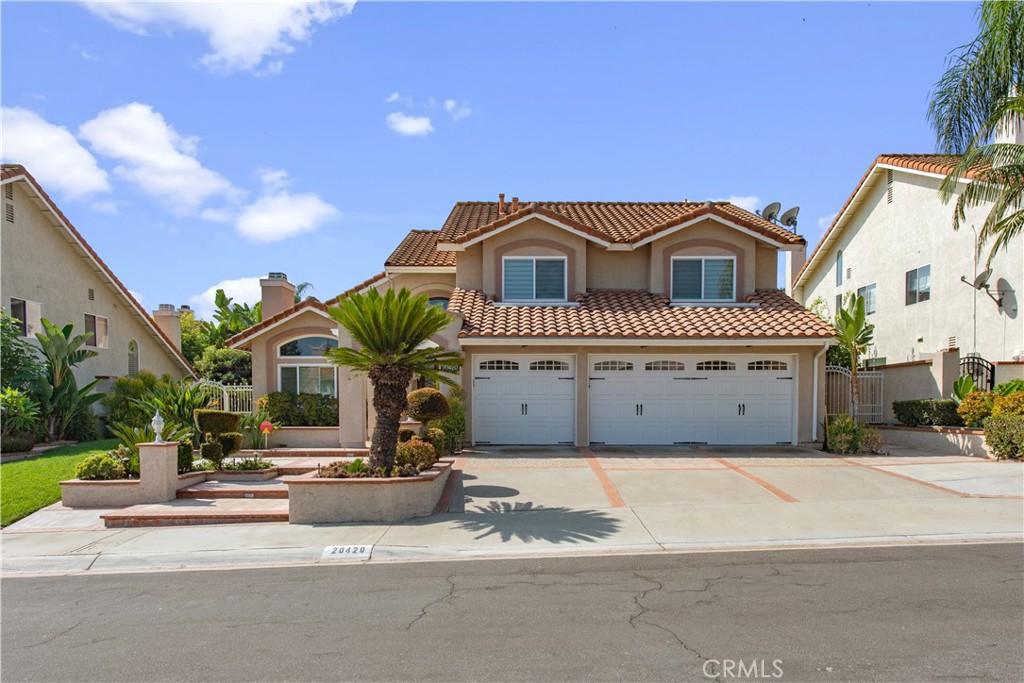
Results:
x,y
27,485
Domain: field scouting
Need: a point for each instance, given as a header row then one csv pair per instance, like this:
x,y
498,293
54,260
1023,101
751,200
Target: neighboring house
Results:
x,y
49,271
585,323
893,243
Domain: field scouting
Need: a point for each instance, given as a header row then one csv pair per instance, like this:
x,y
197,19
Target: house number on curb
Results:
x,y
347,552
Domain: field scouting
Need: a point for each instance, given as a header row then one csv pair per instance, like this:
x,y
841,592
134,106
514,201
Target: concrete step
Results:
x,y
271,488
190,511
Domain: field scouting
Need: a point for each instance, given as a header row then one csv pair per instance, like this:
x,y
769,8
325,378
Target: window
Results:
x,y
439,301
307,347
96,324
534,279
28,314
704,279
839,268
553,365
868,294
839,303
664,366
308,379
919,285
133,358
613,366
715,365
764,365
499,365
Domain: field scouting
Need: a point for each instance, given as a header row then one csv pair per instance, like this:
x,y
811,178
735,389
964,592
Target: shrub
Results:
x,y
248,464
975,407
454,425
1010,387
1011,404
435,437
404,434
185,456
927,411
417,453
1004,434
427,404
230,442
358,469
84,426
100,467
219,429
228,366
849,437
131,437
212,451
21,366
123,400
17,442
302,410
19,412
212,421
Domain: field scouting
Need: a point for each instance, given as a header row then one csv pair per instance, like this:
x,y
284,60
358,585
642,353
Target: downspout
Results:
x,y
814,391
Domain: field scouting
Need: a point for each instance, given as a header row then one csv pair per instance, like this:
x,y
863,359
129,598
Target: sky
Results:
x,y
201,145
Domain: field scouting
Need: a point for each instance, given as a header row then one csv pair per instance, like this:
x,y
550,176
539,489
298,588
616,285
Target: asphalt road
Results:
x,y
888,614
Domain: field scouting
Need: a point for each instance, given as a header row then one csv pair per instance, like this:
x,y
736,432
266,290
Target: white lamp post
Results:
x,y
158,427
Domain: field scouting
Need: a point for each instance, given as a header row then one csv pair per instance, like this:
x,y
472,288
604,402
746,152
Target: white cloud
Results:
x,y
242,36
748,203
154,157
244,290
457,111
88,56
104,207
403,124
275,217
393,97
826,221
51,154
273,179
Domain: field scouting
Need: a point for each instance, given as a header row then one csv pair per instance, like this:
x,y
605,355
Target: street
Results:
x,y
861,614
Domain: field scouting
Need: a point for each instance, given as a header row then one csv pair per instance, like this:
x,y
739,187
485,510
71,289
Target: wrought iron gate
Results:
x,y
983,372
839,393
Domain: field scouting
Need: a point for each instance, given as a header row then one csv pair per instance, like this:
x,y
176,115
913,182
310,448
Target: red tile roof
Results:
x,y
616,222
637,314
419,248
16,172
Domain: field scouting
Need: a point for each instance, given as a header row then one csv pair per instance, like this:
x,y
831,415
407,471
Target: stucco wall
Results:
x,y
617,269
430,284
884,240
264,348
40,264
534,238
705,238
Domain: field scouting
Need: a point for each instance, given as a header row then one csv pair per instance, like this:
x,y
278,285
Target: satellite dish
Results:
x,y
981,281
789,218
771,212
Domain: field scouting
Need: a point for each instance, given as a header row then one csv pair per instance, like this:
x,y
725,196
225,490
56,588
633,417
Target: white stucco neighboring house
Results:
x,y
893,242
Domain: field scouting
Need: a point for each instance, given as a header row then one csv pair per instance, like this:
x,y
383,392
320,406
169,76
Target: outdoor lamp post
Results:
x,y
158,427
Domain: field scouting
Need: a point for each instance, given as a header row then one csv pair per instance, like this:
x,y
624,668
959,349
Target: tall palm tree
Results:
x,y
390,330
981,90
301,289
855,334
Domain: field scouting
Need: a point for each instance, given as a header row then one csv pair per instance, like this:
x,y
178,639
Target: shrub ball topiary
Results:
x,y
427,404
230,443
185,456
212,421
416,452
436,438
211,451
1004,434
975,407
404,434
100,467
1011,404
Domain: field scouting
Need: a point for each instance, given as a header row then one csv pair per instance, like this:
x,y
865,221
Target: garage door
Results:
x,y
524,399
691,399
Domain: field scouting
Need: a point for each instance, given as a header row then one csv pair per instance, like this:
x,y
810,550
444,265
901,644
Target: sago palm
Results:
x,y
390,331
855,334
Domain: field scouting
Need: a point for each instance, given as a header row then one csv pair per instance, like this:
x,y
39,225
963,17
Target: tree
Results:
x,y
855,334
233,318
19,362
981,90
196,335
57,390
227,366
301,289
389,330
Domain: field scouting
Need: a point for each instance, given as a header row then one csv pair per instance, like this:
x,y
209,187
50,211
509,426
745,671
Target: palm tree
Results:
x,y
855,334
301,289
390,331
57,390
983,89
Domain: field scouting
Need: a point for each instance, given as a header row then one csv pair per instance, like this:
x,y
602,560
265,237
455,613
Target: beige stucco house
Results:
x,y
588,323
49,271
893,243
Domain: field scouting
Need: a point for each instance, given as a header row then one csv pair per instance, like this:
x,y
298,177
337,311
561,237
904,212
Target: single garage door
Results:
x,y
691,399
528,399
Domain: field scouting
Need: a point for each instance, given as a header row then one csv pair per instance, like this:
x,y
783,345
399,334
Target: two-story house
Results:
x,y
49,271
587,323
894,244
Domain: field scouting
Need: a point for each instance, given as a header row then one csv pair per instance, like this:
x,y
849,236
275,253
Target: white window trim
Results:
x,y
95,337
875,285
282,366
534,300
303,336
672,278
917,270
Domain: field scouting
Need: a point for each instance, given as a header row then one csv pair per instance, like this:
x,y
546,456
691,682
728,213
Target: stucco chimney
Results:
x,y
794,262
515,204
276,293
169,321
501,202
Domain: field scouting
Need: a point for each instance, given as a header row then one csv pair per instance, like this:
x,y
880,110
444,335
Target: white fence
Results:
x,y
839,393
236,398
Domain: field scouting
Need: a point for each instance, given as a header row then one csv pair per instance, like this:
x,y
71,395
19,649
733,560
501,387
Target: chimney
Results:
x,y
501,202
794,262
169,322
276,293
515,204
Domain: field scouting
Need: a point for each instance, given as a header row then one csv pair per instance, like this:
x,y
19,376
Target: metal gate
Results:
x,y
983,372
839,393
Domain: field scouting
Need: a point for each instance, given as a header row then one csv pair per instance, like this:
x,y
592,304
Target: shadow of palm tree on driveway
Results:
x,y
555,525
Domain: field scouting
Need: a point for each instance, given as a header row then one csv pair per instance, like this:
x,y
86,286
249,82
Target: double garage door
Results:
x,y
670,399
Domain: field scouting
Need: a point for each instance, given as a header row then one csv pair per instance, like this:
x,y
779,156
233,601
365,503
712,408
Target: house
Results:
x,y
588,323
893,243
49,271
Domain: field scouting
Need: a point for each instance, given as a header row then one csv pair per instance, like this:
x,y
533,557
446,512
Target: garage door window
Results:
x,y
499,365
703,279
534,279
715,366
550,365
613,366
664,366
765,365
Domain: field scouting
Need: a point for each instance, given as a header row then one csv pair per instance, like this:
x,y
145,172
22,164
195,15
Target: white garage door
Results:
x,y
691,399
524,399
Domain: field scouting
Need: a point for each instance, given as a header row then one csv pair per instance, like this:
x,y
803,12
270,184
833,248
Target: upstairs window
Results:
x,y
919,285
96,324
868,294
133,358
28,314
534,278
307,347
839,268
709,278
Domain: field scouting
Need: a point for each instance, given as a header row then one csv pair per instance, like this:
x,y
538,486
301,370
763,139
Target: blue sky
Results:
x,y
195,144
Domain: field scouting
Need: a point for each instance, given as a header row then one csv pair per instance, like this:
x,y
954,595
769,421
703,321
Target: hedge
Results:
x,y
920,412
1004,434
302,410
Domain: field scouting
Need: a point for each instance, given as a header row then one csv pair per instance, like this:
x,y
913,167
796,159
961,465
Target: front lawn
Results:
x,y
33,483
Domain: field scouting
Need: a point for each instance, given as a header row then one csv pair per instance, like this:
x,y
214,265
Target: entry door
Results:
x,y
524,399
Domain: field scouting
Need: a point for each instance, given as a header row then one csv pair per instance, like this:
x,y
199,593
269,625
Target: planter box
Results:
x,y
313,500
939,440
79,493
243,475
306,437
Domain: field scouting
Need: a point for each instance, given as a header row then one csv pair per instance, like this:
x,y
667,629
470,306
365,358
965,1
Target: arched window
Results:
x,y
307,347
839,268
439,301
133,358
499,365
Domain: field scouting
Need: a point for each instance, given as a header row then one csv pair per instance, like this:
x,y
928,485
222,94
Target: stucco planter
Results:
x,y
113,493
243,475
305,437
314,500
938,440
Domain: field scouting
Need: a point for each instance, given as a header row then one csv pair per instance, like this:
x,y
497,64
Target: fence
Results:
x,y
236,398
839,393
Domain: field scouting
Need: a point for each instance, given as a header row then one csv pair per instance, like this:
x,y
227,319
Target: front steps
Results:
x,y
271,488
190,511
